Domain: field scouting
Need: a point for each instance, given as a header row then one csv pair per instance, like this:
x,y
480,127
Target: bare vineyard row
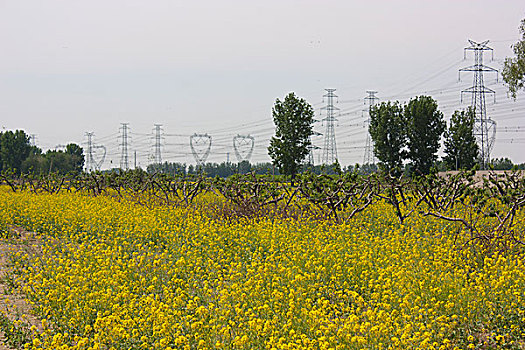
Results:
x,y
486,209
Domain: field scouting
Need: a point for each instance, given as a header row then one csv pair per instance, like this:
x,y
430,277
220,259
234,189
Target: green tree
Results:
x,y
461,148
14,149
57,162
293,119
501,164
425,126
76,157
35,163
167,168
244,167
387,130
264,169
69,161
514,68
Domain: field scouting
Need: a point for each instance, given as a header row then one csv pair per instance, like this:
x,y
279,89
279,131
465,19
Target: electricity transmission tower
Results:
x,y
158,158
370,101
89,158
243,147
484,127
96,154
310,153
124,160
200,147
329,148
312,147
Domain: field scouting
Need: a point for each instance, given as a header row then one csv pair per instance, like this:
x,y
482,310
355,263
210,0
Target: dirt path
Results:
x,y
12,303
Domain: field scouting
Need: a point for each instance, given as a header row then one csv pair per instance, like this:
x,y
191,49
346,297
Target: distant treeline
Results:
x,y
223,169
226,169
18,155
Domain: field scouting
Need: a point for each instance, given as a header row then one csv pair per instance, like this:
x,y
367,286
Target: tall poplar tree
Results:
x,y
387,130
461,148
14,149
293,118
425,126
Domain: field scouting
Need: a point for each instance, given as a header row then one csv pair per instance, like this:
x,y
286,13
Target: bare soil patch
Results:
x,y
13,304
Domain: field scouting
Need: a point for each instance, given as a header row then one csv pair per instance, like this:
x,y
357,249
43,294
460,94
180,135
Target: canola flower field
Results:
x,y
113,274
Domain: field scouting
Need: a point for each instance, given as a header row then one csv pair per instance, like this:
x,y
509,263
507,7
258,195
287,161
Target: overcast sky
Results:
x,y
71,67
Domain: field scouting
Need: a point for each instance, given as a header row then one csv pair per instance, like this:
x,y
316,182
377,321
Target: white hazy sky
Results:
x,y
71,67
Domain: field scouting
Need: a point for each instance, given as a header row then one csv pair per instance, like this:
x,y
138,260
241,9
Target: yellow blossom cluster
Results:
x,y
117,275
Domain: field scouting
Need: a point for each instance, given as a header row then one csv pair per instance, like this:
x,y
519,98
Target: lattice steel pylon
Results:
x,y
484,127
158,156
312,147
124,159
329,147
243,147
370,101
93,163
310,160
89,158
200,145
